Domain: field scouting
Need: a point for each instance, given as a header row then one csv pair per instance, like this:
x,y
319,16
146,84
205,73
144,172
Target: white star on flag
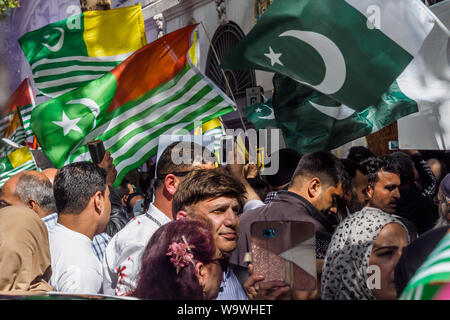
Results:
x,y
274,57
67,124
258,110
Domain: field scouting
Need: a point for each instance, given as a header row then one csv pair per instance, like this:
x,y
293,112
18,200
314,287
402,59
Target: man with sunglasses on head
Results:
x,y
122,259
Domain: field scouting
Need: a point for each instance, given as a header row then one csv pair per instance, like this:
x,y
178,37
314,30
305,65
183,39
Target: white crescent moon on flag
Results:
x,y
335,69
91,104
338,112
59,44
2,166
271,116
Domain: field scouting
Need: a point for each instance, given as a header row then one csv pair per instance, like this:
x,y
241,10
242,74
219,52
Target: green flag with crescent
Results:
x,y
261,115
311,121
351,50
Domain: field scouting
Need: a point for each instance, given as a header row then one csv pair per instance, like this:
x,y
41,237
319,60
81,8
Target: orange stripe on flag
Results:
x,y
151,66
20,98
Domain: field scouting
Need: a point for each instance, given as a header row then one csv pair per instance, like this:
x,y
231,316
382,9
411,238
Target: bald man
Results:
x,y
32,189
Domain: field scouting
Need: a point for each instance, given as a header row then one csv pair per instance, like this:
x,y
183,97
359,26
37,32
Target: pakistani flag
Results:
x,y
351,50
155,91
261,115
311,121
68,54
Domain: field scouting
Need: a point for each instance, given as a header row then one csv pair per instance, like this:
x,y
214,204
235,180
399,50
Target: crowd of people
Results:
x,y
184,232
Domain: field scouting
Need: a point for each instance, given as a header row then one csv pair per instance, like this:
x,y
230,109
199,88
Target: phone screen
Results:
x,y
285,251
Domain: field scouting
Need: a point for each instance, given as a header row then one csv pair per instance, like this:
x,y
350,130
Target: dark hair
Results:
x,y
75,184
200,185
329,169
351,167
122,189
376,164
359,154
40,189
158,278
405,166
165,164
288,159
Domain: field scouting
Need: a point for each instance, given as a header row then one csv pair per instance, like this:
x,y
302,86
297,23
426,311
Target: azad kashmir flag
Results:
x,y
68,54
155,91
351,50
23,100
14,158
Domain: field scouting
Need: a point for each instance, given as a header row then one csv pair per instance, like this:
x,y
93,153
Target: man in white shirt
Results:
x,y
122,258
83,206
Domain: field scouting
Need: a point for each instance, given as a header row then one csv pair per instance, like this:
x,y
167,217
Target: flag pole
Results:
x,y
225,77
442,26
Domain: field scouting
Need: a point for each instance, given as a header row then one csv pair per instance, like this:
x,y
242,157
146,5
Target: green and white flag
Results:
x,y
17,161
154,92
69,53
351,50
311,121
261,115
432,274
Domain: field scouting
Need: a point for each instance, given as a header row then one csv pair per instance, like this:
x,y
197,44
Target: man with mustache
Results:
x,y
216,196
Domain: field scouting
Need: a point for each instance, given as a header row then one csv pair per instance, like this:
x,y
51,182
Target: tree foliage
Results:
x,y
8,4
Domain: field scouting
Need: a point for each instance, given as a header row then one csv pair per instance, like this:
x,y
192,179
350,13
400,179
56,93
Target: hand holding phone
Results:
x,y
285,251
96,150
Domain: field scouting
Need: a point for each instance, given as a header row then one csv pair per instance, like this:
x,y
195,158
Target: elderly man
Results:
x,y
444,202
121,263
32,189
83,206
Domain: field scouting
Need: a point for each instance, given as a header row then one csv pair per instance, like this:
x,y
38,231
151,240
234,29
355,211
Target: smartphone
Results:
x,y
285,251
97,150
393,145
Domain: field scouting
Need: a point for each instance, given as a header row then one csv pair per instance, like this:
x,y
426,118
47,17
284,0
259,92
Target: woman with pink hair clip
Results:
x,y
180,262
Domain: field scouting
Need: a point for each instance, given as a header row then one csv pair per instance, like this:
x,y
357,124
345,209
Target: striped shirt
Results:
x,y
99,242
432,275
230,288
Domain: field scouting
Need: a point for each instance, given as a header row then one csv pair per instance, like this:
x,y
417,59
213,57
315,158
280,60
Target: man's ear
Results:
x,y
31,204
99,202
200,272
369,191
171,183
181,215
314,187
